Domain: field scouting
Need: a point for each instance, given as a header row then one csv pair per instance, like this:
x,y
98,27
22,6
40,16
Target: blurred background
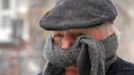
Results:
x,y
22,39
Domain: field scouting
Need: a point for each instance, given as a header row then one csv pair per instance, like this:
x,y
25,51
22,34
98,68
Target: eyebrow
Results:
x,y
58,32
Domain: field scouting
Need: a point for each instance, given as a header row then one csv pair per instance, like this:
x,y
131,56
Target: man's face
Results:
x,y
64,39
69,40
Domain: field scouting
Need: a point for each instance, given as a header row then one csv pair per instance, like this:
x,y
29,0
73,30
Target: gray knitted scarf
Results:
x,y
92,57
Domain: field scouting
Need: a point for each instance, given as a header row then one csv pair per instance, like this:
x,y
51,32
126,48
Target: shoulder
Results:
x,y
121,67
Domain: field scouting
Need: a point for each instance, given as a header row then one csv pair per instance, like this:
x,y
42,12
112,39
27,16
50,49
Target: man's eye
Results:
x,y
58,35
80,34
57,38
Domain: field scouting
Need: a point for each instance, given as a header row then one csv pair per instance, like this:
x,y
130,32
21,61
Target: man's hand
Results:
x,y
71,70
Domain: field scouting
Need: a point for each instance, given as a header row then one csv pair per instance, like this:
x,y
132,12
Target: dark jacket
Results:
x,y
120,67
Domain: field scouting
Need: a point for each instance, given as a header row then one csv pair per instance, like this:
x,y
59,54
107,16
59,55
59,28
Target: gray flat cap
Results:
x,y
69,14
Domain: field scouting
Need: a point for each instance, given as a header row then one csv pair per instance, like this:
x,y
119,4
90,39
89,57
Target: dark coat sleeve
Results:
x,y
121,67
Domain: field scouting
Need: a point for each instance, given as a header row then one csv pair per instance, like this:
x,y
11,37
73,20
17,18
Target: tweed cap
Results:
x,y
69,14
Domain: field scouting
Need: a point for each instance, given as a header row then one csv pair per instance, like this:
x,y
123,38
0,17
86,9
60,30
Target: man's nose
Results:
x,y
67,40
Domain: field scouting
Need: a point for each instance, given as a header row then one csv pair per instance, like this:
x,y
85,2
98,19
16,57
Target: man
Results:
x,y
83,39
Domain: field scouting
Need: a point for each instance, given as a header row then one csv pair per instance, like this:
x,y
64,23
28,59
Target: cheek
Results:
x,y
97,35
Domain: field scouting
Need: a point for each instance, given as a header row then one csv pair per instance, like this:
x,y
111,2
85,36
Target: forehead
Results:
x,y
76,30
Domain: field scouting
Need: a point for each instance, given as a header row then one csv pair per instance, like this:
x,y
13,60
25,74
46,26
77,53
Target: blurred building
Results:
x,y
15,39
21,38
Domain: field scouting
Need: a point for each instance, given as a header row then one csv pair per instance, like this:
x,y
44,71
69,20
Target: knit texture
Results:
x,y
92,57
119,67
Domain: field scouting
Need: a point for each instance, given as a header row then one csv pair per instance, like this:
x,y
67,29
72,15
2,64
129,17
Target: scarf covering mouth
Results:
x,y
91,57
